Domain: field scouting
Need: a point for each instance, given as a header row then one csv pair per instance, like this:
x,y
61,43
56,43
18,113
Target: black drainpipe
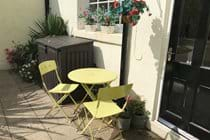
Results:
x,y
124,50
47,8
123,65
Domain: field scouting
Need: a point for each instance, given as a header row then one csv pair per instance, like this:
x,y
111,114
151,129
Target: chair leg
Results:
x,y
72,99
87,123
49,111
56,104
78,105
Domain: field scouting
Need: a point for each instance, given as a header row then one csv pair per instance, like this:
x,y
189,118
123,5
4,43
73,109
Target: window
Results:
x,y
95,4
107,4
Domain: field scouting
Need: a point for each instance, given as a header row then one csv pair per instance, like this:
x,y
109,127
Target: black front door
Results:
x,y
186,90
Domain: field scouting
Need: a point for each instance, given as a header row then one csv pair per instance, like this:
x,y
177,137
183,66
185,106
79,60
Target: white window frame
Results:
x,y
98,2
101,2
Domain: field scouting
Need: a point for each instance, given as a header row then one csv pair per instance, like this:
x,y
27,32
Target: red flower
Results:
x,y
134,12
116,4
85,13
128,98
133,23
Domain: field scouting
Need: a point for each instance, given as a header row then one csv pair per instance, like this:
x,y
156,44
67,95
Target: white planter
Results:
x,y
119,28
108,29
81,23
90,28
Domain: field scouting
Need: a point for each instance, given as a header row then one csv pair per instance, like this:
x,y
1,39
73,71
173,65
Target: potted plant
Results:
x,y
107,20
139,113
90,20
131,10
124,120
81,22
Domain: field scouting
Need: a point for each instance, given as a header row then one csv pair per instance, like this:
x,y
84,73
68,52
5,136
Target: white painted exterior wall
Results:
x,y
16,18
148,49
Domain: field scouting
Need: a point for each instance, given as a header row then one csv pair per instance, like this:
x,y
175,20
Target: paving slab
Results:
x,y
24,105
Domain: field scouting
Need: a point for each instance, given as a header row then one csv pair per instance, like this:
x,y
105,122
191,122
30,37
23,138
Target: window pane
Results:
x,y
206,58
187,30
92,0
102,0
103,5
93,7
111,5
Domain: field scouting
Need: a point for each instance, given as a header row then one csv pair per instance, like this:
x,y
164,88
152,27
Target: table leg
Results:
x,y
89,92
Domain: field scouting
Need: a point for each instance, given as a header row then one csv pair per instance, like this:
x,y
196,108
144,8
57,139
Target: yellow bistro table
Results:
x,y
90,77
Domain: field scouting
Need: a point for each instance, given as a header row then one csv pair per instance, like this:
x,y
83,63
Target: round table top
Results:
x,y
92,76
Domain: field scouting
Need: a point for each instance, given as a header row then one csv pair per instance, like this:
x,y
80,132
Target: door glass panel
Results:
x,y
187,30
206,57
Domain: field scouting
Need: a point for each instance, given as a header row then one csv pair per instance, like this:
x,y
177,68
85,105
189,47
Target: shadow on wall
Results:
x,y
98,56
155,39
54,7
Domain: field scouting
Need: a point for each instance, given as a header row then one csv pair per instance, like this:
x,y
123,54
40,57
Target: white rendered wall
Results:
x,y
16,18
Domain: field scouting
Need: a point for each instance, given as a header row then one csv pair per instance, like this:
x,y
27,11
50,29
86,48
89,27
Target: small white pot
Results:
x,y
108,29
81,23
119,28
90,28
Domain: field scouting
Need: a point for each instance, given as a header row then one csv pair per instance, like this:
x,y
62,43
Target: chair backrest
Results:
x,y
47,66
112,93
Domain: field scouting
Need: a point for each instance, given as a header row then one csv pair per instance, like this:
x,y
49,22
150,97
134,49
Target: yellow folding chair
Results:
x,y
104,106
61,88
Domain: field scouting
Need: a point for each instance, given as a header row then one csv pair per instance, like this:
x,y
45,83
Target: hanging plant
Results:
x,y
131,10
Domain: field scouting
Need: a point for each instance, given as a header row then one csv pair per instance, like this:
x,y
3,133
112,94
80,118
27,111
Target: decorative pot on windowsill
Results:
x,y
107,29
118,28
90,28
81,23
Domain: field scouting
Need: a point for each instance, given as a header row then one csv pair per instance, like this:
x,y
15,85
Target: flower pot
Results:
x,y
108,29
81,23
123,123
118,28
90,28
139,121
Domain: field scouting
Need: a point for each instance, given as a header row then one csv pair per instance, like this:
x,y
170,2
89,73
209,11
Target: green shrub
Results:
x,y
52,26
137,107
24,58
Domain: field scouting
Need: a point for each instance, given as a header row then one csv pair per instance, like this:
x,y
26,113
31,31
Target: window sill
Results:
x,y
115,38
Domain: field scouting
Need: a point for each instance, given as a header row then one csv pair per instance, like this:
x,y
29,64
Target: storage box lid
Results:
x,y
59,42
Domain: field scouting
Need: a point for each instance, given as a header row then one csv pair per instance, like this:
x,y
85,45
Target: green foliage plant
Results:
x,y
90,16
137,107
52,26
131,10
107,17
23,56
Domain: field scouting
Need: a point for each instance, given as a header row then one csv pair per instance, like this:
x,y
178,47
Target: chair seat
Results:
x,y
64,88
105,109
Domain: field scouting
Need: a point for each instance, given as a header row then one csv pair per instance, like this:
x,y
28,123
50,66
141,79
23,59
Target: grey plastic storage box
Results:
x,y
69,53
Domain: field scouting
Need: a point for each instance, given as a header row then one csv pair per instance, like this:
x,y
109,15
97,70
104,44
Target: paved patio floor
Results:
x,y
22,110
